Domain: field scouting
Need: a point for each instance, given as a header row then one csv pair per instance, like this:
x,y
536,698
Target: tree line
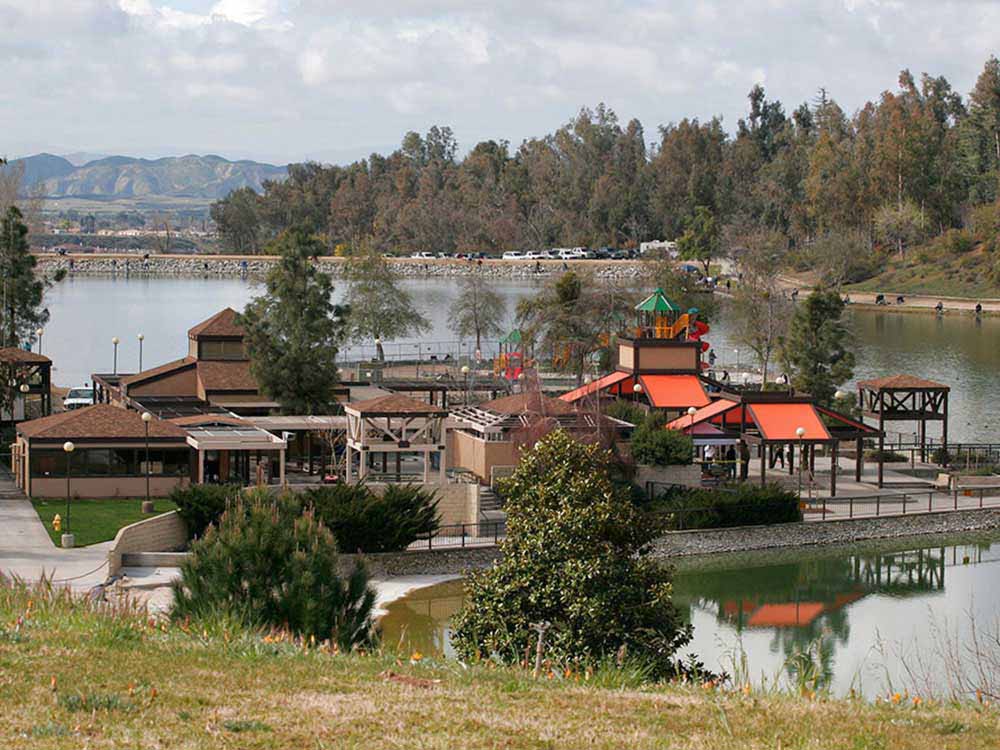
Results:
x,y
912,162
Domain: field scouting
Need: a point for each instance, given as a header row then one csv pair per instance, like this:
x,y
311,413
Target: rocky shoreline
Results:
x,y
256,267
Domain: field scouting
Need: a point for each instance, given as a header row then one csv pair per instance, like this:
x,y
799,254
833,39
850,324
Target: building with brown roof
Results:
x,y
31,377
108,457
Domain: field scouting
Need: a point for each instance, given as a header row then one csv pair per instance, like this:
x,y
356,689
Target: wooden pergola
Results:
x,y
31,369
904,398
395,424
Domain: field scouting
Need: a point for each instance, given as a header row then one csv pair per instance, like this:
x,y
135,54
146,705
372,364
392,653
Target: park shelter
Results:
x,y
904,398
231,450
109,456
398,425
34,370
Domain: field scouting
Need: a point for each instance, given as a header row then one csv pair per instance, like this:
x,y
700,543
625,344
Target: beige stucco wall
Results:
x,y
480,456
626,356
689,476
458,502
103,487
668,358
163,533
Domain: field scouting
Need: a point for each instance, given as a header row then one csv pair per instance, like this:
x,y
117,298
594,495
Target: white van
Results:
x,y
513,255
79,397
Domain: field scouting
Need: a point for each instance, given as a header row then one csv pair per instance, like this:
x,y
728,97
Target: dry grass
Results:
x,y
77,675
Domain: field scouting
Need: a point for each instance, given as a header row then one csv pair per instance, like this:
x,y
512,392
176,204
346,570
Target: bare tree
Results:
x,y
478,310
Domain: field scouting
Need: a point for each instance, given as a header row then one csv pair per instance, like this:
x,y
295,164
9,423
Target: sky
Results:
x,y
334,80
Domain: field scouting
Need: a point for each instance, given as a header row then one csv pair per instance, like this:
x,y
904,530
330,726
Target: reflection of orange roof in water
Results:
x,y
731,609
785,615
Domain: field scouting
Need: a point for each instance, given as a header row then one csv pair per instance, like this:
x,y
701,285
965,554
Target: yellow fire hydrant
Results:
x,y
57,523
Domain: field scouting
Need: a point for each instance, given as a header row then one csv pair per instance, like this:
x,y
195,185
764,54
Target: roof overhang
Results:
x,y
233,438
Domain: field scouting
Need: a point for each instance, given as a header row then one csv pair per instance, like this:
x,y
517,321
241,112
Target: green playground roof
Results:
x,y
657,302
514,337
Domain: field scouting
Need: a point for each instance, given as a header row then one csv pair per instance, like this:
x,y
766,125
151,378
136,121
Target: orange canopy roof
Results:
x,y
780,421
704,414
598,385
674,391
785,615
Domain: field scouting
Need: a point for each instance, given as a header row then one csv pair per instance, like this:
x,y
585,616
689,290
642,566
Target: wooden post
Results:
x,y
881,438
763,464
944,425
859,460
834,456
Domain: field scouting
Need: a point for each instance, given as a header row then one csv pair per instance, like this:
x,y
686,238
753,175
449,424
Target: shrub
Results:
x,y
888,456
201,505
655,445
626,411
270,565
575,556
364,521
985,221
741,505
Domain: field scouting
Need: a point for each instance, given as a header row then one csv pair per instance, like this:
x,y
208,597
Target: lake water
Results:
x,y
872,619
88,311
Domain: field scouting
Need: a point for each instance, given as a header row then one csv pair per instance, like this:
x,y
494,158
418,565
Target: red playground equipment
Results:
x,y
659,318
509,363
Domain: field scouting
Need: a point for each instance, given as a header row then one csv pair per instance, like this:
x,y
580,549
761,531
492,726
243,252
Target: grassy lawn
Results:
x,y
73,676
95,521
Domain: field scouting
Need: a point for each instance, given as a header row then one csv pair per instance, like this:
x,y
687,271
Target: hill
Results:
x,y
207,177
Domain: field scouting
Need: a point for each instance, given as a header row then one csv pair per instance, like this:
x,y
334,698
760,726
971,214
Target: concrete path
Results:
x,y
27,552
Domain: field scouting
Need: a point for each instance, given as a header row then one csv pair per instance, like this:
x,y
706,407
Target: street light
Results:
x,y
147,506
141,339
115,342
39,333
465,375
800,432
67,537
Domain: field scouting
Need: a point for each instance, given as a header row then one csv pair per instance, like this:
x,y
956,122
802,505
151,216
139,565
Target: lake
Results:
x,y
875,618
88,311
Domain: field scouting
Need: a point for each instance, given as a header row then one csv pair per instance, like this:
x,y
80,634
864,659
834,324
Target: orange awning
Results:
x,y
785,615
703,414
779,422
674,391
598,385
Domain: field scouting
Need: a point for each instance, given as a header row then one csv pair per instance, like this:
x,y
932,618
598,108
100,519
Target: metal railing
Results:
x,y
903,503
463,535
422,352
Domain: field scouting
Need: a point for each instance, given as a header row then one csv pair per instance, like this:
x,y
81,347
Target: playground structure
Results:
x,y
510,362
659,318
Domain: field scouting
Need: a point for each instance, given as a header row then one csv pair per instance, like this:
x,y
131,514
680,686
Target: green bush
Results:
x,y
653,444
270,565
888,456
626,411
365,521
576,556
739,505
201,505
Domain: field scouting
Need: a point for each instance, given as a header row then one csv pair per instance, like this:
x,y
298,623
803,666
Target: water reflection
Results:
x,y
835,620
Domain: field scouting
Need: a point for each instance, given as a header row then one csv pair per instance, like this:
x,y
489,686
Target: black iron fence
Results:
x,y
902,503
482,534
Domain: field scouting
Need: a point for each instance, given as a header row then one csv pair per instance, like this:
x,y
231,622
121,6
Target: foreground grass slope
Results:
x,y
71,677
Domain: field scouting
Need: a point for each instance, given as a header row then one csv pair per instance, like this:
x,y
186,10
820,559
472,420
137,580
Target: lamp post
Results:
x,y
23,388
141,339
465,377
67,538
39,333
800,433
147,506
114,343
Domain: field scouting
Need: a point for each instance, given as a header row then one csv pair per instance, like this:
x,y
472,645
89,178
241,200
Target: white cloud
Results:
x,y
281,78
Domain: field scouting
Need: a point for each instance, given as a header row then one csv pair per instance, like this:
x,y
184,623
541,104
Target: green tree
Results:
x,y
575,556
271,565
700,241
379,307
980,136
816,349
899,226
238,222
478,310
293,331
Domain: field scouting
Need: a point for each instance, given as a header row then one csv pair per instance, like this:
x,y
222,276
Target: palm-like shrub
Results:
x,y
575,556
366,521
269,564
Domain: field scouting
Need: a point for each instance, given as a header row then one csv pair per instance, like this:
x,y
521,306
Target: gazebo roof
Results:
x,y
657,302
13,355
902,383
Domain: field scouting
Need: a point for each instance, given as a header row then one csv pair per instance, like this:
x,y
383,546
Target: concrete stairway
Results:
x,y
490,506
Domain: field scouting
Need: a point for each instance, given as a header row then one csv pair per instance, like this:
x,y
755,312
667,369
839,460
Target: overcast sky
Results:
x,y
282,80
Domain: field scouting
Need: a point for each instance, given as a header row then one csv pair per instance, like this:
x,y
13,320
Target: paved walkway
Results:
x,y
27,552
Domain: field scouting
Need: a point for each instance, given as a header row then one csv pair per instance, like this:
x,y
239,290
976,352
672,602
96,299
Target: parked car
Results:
x,y
423,256
79,397
538,255
513,255
566,254
583,253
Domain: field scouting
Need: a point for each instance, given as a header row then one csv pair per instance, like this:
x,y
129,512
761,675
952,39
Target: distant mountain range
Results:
x,y
111,177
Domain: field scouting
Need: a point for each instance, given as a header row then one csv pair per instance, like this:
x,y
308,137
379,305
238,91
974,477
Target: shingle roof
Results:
x,y
169,367
10,354
394,403
100,421
529,403
221,375
223,323
900,382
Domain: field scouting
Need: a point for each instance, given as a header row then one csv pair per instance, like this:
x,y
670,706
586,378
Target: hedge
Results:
x,y
738,505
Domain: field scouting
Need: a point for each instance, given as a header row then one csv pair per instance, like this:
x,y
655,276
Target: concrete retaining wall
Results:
x,y
163,533
458,502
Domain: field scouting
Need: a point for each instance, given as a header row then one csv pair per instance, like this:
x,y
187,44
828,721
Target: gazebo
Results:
x,y
395,424
904,398
27,368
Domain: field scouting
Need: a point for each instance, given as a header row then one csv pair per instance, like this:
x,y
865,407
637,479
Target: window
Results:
x,y
48,464
93,462
222,350
111,462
